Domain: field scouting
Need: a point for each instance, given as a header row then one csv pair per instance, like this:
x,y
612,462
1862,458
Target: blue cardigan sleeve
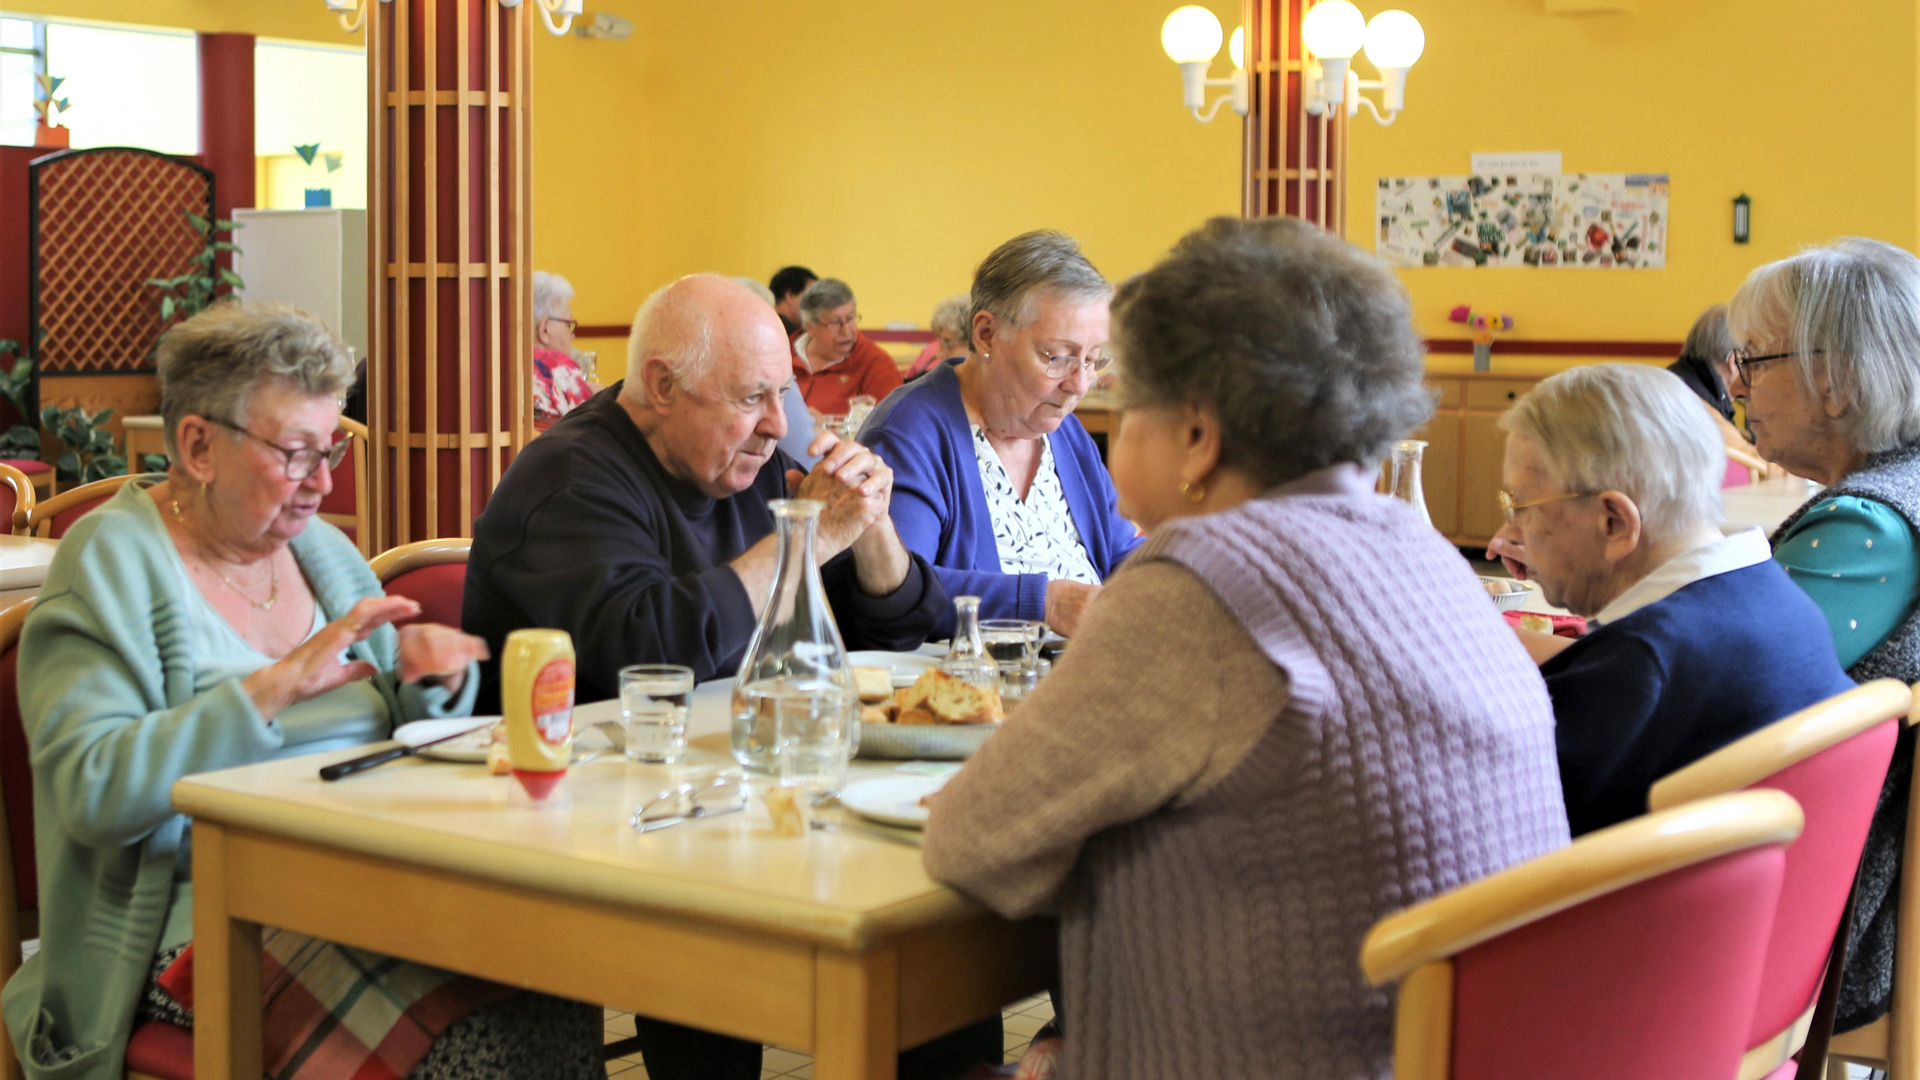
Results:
x,y
930,510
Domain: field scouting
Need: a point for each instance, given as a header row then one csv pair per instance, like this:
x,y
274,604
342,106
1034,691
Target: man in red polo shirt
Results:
x,y
832,360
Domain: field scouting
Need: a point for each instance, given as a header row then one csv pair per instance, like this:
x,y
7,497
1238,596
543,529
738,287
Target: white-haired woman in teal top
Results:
x,y
1827,359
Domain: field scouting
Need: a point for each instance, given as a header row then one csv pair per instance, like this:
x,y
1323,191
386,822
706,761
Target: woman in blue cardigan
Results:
x,y
995,483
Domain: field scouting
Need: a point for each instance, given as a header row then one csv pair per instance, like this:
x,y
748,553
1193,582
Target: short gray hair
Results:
x,y
1630,428
664,330
953,319
823,296
1854,307
1709,340
1301,343
1009,281
550,293
213,364
753,286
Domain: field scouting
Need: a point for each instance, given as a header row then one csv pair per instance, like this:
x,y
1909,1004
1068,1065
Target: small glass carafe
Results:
x,y
967,657
1406,476
796,651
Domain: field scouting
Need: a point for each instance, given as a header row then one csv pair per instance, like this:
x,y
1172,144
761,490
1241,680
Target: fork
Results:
x,y
616,740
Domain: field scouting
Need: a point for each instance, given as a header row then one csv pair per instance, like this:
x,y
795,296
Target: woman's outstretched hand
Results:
x,y
432,651
314,666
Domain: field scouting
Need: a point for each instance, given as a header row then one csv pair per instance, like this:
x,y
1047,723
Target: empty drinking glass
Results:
x,y
1014,645
653,710
814,737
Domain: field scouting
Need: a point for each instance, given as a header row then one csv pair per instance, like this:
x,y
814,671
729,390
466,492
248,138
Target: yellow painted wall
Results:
x,y
307,19
892,144
1809,109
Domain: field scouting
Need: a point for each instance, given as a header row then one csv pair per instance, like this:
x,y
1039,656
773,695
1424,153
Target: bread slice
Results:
x,y
874,714
950,700
874,683
916,715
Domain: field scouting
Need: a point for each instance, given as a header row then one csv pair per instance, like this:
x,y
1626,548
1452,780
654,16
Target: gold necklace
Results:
x,y
273,574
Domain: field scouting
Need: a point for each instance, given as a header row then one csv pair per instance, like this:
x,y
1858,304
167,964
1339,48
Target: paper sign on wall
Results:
x,y
1599,221
1540,161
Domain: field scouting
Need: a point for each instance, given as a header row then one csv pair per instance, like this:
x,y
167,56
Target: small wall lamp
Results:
x,y
352,14
1333,30
566,9
1191,36
1742,218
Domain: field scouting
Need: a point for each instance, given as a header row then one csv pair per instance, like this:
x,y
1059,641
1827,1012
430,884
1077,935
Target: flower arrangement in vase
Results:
x,y
1483,327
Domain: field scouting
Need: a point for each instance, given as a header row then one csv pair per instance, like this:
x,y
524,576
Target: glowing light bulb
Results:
x,y
1333,30
1395,40
1191,35
1237,47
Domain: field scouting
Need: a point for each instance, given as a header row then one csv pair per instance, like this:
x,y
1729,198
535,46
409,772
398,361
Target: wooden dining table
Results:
x,y
835,943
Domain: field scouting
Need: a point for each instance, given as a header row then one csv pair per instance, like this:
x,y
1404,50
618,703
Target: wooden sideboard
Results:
x,y
1461,473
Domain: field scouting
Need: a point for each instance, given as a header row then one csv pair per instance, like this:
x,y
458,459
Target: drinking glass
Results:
x,y
1014,645
814,737
653,710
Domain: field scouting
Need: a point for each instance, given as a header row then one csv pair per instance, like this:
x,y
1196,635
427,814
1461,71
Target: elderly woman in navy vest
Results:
x,y
1827,359
994,482
1292,712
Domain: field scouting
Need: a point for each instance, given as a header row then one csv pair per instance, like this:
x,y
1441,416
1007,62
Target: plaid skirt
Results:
x,y
333,1011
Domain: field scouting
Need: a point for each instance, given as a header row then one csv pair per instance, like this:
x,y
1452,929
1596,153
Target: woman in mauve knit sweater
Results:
x,y
1292,712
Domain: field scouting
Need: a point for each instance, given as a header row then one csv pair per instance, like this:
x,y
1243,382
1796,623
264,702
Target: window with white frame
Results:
x,y
124,86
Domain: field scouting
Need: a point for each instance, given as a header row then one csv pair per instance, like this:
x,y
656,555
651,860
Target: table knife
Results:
x,y
395,753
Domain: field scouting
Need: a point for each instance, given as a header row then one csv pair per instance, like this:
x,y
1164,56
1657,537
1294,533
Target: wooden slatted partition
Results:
x,y
1294,164
449,376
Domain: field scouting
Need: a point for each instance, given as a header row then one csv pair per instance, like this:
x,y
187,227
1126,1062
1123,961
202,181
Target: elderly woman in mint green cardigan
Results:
x,y
198,622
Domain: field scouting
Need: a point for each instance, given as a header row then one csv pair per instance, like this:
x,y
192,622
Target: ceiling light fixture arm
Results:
x,y
566,9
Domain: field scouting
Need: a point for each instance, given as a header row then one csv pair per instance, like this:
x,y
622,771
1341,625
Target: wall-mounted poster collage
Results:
x,y
1599,221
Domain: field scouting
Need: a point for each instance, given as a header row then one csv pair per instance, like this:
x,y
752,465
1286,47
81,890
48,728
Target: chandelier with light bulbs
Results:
x,y
1332,32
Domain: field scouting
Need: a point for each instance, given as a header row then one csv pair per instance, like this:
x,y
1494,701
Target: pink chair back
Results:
x,y
438,590
1654,982
1737,475
1832,758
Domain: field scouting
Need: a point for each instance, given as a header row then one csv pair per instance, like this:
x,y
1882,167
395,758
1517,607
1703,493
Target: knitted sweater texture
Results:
x,y
1279,724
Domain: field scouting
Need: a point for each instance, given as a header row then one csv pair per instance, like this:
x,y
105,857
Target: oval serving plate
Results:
x,y
922,742
471,748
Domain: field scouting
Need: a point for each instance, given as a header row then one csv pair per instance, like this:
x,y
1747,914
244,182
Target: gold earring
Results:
x,y
1195,493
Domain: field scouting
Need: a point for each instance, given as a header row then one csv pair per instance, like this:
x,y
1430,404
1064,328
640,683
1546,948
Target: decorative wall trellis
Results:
x,y
449,315
102,222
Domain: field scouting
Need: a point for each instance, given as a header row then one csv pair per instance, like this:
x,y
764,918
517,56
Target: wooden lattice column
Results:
x,y
449,246
1294,164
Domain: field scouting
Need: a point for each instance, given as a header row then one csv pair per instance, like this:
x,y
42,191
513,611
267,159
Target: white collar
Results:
x,y
1748,547
800,350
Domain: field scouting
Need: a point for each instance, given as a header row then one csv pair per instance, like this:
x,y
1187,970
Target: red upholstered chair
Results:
x,y
1634,953
158,1051
16,493
53,517
346,505
38,472
433,572
1832,758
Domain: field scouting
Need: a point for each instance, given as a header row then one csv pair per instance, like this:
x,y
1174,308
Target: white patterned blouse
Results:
x,y
1036,535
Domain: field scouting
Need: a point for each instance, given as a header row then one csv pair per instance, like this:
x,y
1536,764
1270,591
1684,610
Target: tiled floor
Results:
x,y
1019,1022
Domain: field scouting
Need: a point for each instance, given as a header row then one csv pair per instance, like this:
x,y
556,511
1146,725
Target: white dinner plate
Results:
x,y
904,666
892,800
471,748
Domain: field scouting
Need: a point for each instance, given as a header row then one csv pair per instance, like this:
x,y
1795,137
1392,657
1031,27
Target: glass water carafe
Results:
x,y
967,658
1406,476
796,655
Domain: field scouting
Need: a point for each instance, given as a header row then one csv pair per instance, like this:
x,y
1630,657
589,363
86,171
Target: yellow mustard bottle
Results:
x,y
536,697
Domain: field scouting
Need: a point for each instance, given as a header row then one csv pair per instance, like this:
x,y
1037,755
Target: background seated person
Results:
x,y
1828,362
997,483
798,441
833,362
952,325
787,285
558,382
1703,367
1612,480
205,620
639,523
1239,766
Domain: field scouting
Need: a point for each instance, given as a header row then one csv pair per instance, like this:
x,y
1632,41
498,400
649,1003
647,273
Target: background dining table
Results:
x,y
834,943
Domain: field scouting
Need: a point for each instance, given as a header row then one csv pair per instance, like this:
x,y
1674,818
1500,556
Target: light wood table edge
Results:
x,y
818,923
748,985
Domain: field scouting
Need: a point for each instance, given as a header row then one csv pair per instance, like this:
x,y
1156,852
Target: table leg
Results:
x,y
226,969
856,1025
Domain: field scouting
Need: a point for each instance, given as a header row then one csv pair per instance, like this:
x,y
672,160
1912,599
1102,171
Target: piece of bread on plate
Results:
x,y
950,700
874,683
875,714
